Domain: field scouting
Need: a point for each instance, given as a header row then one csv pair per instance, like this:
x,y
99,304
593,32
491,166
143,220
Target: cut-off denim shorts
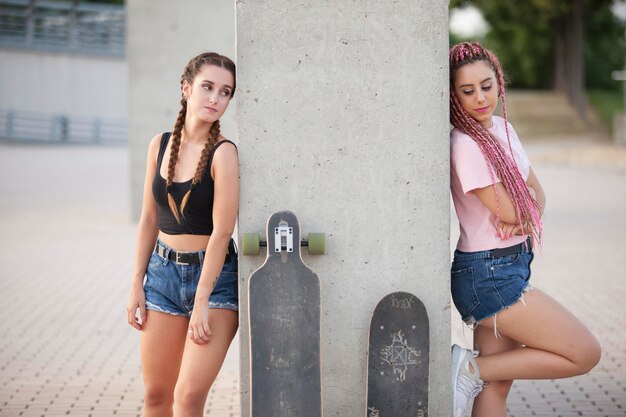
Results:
x,y
483,285
171,287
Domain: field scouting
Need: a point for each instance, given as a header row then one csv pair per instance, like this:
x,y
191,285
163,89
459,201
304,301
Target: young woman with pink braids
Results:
x,y
519,332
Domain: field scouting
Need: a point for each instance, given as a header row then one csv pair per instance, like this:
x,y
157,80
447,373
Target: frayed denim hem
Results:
x,y
212,304
154,307
223,306
472,323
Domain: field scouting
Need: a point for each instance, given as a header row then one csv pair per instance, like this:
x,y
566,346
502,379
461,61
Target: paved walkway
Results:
x,y
65,240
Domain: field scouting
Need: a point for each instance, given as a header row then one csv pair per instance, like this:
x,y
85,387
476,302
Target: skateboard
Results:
x,y
284,319
397,365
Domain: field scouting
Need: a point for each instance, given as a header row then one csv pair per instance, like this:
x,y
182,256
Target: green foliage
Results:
x,y
521,37
607,103
525,55
605,50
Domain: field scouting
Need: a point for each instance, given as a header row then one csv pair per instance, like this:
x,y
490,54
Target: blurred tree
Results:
x,y
548,43
605,50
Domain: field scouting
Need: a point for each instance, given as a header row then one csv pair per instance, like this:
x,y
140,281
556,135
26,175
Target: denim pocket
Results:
x,y
155,261
232,265
227,279
464,291
507,260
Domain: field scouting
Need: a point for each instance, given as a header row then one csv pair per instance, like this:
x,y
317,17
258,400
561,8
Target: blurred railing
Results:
x,y
21,126
63,26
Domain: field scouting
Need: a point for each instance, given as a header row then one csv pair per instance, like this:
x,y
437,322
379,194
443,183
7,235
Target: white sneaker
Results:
x,y
466,382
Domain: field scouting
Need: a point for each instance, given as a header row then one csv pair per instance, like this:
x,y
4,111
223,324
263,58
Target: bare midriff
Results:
x,y
185,243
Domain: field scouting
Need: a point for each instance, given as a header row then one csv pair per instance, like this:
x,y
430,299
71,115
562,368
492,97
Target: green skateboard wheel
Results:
x,y
317,243
250,244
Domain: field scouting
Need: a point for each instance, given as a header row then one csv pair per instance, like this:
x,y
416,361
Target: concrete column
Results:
x,y
162,37
343,119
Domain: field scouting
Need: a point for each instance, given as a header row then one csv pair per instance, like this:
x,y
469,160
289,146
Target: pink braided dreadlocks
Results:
x,y
497,158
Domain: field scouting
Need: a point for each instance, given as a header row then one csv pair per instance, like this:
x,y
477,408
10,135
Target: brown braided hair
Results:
x,y
189,74
498,161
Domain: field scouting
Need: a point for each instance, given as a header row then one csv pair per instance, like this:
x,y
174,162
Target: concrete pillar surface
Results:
x,y
343,119
162,37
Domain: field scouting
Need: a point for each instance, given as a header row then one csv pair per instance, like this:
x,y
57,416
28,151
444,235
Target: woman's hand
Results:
x,y
506,230
136,300
199,331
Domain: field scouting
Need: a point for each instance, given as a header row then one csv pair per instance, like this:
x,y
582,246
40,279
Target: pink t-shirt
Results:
x,y
469,171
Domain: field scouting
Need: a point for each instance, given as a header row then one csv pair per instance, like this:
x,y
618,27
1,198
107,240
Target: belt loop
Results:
x,y
167,254
201,257
157,249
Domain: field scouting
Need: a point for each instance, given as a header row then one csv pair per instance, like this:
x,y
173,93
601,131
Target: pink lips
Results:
x,y
482,109
211,109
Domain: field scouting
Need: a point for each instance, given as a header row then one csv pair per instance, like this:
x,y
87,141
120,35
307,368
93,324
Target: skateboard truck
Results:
x,y
251,243
283,238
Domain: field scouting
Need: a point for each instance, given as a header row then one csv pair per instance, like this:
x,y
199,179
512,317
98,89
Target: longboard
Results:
x,y
284,317
398,356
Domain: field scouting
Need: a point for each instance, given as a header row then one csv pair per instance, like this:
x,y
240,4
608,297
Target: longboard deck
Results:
x,y
398,358
284,317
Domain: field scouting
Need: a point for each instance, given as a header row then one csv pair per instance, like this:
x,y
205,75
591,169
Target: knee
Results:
x,y
189,399
588,356
157,396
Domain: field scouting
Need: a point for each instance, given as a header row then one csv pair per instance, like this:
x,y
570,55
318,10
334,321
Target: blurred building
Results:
x,y
63,71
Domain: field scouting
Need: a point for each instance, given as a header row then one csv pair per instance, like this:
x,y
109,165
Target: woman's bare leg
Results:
x,y
201,364
491,402
162,342
557,344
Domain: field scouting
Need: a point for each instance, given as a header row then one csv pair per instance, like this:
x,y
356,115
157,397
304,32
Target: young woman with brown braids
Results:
x,y
188,304
519,333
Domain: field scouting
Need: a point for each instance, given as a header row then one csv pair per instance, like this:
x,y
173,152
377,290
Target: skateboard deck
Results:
x,y
284,317
397,366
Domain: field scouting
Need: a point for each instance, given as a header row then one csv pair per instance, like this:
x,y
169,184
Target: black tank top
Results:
x,y
197,219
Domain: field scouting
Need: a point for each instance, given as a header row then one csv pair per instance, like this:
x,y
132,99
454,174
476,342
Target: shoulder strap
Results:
x,y
165,138
217,145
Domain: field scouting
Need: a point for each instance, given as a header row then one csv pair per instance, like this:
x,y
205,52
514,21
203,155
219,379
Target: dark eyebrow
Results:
x,y
212,83
471,85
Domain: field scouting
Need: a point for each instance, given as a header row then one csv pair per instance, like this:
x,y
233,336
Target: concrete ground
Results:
x,y
66,242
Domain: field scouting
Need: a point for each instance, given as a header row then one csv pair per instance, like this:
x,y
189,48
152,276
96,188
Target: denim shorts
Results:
x,y
483,285
171,287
